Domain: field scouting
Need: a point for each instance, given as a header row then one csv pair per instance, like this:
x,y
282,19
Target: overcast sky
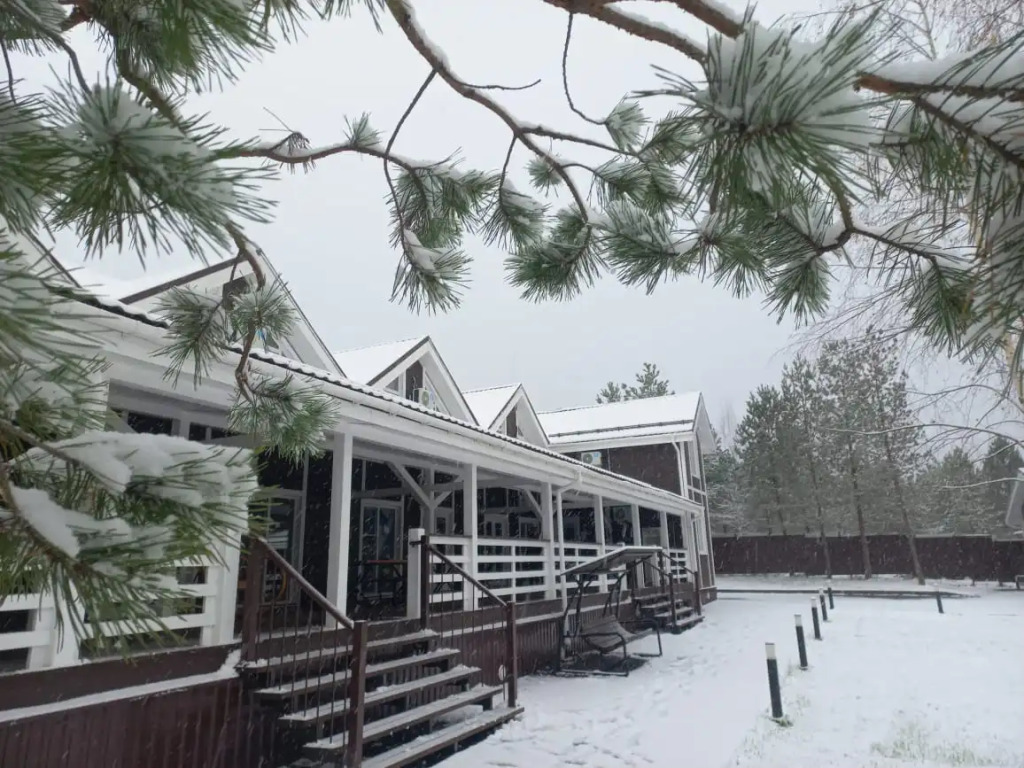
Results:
x,y
330,235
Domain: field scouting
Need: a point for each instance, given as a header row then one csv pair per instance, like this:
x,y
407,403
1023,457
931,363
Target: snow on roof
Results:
x,y
426,415
366,364
629,418
100,284
487,404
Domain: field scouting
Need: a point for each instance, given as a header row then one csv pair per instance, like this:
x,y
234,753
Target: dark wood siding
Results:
x,y
511,425
654,464
413,379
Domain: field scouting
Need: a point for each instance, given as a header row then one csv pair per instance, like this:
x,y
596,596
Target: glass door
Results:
x,y
379,544
284,534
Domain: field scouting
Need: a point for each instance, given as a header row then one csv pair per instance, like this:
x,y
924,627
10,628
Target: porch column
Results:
x,y
634,512
341,523
560,523
602,582
547,534
470,522
663,535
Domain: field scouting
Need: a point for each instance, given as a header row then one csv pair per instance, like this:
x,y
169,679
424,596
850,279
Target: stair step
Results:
x,y
324,712
689,622
448,736
337,651
389,725
307,685
681,613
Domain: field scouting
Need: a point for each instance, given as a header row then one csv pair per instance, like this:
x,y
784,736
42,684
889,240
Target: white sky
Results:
x,y
329,238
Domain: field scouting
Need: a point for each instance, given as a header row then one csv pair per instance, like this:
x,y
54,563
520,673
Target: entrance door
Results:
x,y
379,547
284,534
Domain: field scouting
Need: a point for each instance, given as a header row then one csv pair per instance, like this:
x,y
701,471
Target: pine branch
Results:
x,y
632,25
402,13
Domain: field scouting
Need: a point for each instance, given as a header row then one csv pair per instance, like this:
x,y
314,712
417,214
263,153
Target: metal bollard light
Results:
x,y
831,602
814,620
801,645
824,610
774,688
938,600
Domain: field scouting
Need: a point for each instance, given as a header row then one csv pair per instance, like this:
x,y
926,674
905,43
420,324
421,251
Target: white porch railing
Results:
x,y
513,569
679,563
205,611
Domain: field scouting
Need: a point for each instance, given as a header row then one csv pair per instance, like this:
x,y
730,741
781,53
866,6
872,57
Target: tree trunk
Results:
x,y
821,517
865,549
778,503
908,529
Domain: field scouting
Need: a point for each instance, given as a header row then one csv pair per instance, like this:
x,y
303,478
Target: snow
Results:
x,y
670,414
817,81
992,67
423,257
168,467
487,404
641,19
893,684
365,364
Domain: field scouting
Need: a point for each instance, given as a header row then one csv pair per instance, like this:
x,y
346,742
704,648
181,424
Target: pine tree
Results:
x,y
726,497
648,384
999,470
802,405
764,450
846,398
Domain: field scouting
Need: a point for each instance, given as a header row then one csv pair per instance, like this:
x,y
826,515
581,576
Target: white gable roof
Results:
x,y
368,364
379,365
488,404
493,405
144,293
647,420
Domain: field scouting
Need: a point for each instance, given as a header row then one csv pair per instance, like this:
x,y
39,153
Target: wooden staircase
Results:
x,y
418,700
357,694
659,606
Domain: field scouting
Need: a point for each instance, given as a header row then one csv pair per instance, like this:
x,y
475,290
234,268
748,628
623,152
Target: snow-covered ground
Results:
x,y
894,684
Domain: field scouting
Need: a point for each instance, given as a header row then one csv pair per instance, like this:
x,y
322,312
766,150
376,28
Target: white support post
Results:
x,y
341,523
224,602
663,538
560,526
547,534
470,523
430,513
634,513
602,582
62,649
413,574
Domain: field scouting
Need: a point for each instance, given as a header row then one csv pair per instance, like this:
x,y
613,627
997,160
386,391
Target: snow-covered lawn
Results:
x,y
894,684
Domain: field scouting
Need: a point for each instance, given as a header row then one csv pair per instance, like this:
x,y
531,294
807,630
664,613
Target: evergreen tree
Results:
x,y
726,497
648,384
761,445
803,408
999,470
847,397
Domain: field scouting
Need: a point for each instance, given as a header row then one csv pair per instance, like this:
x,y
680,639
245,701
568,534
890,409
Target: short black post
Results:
x,y
938,599
774,688
801,646
824,610
831,602
814,620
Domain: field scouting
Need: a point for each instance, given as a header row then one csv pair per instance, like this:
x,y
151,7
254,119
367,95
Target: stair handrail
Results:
x,y
463,572
507,608
292,572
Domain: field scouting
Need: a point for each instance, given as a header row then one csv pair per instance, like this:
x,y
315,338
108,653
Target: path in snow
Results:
x,y
894,685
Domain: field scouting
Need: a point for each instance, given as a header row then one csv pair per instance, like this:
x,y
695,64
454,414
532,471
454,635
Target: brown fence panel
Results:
x,y
982,558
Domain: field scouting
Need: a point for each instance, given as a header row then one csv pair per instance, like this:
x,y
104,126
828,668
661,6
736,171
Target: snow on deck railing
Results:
x,y
204,614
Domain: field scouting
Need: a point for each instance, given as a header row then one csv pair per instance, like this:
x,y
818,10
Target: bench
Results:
x,y
608,635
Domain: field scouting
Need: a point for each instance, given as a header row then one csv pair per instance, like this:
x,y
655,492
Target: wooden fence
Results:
x,y
982,558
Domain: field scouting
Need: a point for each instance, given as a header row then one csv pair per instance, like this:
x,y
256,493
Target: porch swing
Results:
x,y
591,646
